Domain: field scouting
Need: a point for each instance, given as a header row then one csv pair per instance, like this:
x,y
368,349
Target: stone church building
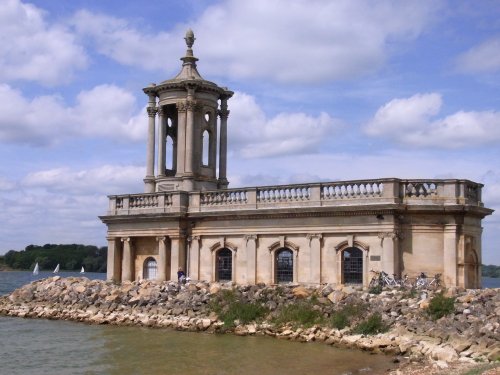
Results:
x,y
324,232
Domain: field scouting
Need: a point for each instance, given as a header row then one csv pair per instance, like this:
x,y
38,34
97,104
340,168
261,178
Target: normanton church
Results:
x,y
319,232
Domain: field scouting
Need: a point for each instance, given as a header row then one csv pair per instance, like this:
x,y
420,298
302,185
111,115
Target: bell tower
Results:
x,y
185,114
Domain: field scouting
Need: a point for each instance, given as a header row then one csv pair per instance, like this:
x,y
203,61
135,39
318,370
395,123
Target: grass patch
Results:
x,y
229,308
343,318
299,314
481,369
377,289
371,325
440,306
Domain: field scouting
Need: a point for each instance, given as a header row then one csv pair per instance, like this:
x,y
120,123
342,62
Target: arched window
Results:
x,y
224,264
352,266
169,163
284,265
206,147
150,269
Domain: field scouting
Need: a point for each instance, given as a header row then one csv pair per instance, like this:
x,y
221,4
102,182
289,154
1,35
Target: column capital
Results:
x,y
152,111
392,235
160,111
312,236
223,113
161,238
250,237
126,239
194,238
111,238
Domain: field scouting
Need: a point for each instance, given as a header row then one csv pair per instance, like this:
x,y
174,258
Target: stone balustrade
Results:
x,y
338,193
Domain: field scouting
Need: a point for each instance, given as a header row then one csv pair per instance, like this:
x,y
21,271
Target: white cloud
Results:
x,y
105,110
62,205
252,134
106,179
412,121
483,58
303,41
30,49
121,41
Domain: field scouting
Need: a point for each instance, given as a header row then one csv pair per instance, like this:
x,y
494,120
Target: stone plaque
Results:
x,y
374,257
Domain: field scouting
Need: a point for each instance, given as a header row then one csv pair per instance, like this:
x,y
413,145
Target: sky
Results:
x,y
324,90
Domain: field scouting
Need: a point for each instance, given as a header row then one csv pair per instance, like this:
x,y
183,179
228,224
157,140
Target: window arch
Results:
x,y
170,153
224,264
283,263
150,269
206,148
352,266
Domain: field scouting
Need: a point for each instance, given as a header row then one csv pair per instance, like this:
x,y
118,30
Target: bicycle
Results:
x,y
424,283
382,279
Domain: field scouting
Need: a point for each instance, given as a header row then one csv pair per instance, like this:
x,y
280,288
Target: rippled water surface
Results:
x,y
31,346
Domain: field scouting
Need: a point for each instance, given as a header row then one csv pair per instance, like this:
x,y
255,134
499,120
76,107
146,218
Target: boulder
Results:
x,y
337,296
444,353
300,292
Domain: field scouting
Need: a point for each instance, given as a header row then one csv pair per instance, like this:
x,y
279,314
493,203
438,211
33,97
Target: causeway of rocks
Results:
x,y
470,334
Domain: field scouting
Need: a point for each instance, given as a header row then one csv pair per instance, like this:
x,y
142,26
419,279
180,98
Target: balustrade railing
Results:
x,y
424,189
223,197
346,190
275,194
380,191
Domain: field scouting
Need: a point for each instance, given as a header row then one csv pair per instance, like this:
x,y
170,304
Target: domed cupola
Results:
x,y
187,107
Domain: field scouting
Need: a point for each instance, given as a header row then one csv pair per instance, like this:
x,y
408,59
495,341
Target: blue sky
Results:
x,y
324,90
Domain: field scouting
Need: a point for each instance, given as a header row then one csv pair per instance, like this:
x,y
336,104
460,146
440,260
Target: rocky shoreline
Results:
x,y
470,334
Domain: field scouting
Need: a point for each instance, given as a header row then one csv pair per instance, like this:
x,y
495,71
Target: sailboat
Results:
x,y
36,269
82,270
56,270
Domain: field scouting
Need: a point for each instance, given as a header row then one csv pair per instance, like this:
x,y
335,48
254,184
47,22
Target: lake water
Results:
x,y
34,346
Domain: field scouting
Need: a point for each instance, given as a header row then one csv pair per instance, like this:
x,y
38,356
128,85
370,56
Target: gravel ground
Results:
x,y
453,369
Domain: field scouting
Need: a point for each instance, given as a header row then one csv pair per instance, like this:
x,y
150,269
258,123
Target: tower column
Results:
x,y
149,180
223,114
161,141
181,138
190,108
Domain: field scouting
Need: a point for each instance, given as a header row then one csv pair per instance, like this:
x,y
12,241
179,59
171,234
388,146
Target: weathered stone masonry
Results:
x,y
314,233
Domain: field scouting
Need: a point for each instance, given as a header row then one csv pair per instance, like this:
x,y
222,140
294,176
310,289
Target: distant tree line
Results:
x,y
490,270
69,257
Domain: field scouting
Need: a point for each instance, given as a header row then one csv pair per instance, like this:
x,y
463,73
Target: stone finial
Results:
x,y
189,38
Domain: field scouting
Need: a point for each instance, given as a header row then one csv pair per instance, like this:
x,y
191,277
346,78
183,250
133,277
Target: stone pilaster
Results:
x,y
450,254
315,254
251,251
114,260
194,257
149,180
127,263
390,252
162,258
177,255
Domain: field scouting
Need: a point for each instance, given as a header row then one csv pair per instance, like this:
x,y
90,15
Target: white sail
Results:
x,y
83,270
36,269
56,269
